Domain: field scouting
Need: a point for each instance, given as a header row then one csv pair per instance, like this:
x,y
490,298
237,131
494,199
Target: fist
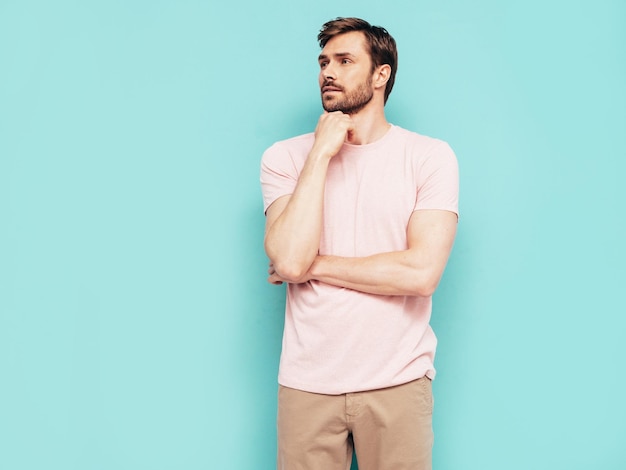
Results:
x,y
331,132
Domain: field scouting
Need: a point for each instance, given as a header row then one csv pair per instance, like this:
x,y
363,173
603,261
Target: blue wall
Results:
x,y
136,327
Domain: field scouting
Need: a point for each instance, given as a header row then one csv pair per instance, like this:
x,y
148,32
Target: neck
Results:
x,y
370,125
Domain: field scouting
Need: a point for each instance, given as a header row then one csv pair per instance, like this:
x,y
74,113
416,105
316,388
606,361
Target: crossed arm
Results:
x,y
414,271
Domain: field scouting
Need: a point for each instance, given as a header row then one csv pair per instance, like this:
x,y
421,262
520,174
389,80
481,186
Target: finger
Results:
x,y
274,280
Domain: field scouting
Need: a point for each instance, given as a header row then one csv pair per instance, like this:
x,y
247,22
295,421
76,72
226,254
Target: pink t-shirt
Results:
x,y
338,340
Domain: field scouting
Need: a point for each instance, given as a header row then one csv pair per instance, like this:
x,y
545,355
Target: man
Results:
x,y
361,218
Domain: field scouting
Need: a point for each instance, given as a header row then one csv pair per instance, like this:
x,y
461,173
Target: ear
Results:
x,y
381,76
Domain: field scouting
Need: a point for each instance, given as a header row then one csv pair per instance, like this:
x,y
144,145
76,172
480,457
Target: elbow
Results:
x,y
291,272
290,269
424,291
424,287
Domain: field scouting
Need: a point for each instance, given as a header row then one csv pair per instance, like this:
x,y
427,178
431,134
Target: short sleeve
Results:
x,y
438,180
279,174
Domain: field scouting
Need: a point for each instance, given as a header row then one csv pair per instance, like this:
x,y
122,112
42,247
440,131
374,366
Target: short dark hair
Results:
x,y
382,46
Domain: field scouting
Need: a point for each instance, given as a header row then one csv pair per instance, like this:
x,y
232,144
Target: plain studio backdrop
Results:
x,y
137,330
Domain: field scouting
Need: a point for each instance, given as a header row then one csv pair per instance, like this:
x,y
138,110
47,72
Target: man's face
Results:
x,y
346,73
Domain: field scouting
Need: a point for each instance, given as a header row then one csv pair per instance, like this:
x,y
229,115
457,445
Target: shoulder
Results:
x,y
289,155
422,150
421,143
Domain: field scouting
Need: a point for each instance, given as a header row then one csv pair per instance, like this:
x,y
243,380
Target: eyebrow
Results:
x,y
336,55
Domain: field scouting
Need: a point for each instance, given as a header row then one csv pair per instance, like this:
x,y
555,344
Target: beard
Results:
x,y
350,102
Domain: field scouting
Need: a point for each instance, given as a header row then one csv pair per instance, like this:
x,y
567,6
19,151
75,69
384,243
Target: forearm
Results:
x,y
392,273
414,271
292,239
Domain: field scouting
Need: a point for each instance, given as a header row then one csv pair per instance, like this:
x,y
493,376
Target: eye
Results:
x,y
345,61
323,64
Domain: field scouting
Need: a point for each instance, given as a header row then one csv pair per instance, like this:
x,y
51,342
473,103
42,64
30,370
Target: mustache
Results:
x,y
332,84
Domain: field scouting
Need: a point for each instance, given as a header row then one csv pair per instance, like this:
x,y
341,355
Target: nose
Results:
x,y
329,73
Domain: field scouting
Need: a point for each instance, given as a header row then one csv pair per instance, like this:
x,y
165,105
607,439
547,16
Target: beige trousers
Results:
x,y
388,429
